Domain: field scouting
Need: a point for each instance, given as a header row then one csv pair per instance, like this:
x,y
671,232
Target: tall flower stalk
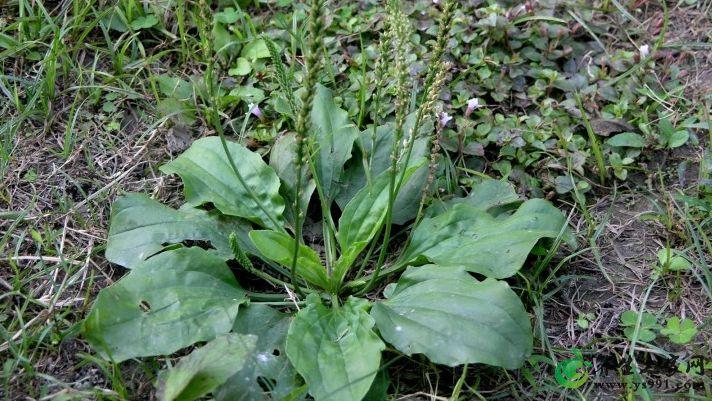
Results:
x,y
432,86
403,144
282,75
314,31
400,38
381,77
433,143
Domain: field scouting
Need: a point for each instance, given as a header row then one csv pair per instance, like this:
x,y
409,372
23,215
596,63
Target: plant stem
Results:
x,y
362,113
282,76
371,279
594,142
381,82
436,66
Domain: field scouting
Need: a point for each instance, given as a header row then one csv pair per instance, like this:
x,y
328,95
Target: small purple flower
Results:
x,y
472,104
444,118
436,1
255,110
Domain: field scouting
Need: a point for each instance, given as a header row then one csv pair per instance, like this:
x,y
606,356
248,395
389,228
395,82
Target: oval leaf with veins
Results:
x,y
453,319
208,177
335,349
165,303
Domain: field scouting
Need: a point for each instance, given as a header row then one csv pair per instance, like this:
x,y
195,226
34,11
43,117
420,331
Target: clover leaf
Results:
x,y
679,332
648,323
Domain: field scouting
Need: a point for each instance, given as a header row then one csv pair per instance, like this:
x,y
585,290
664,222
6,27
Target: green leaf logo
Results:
x,y
572,372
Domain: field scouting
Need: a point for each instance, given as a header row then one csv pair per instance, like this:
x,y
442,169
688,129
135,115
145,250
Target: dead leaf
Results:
x,y
178,139
606,127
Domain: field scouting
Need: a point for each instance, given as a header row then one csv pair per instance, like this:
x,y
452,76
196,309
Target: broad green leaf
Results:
x,y
492,196
644,334
279,247
281,159
180,112
334,136
224,43
254,50
116,20
335,349
493,246
242,67
379,387
566,183
174,87
227,16
670,136
207,367
678,138
270,361
630,317
627,139
140,227
673,260
354,177
665,126
166,303
144,22
362,218
209,178
679,332
248,94
450,317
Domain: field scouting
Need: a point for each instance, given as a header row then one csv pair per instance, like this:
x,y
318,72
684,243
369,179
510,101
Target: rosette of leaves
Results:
x,y
241,220
177,295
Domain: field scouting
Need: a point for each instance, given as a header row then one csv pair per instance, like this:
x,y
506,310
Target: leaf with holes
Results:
x,y
141,227
335,349
207,367
450,317
208,177
270,363
165,303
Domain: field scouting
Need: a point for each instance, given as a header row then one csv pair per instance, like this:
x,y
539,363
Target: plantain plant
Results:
x,y
243,220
